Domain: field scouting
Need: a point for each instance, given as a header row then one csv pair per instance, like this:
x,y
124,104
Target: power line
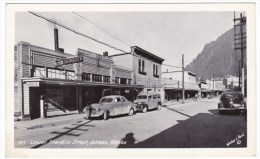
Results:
x,y
76,32
81,34
101,28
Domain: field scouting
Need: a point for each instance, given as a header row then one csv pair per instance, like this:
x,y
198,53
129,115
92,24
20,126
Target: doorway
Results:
x,y
34,100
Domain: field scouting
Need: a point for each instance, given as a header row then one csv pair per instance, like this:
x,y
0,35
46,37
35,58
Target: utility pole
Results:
x,y
213,86
240,44
183,90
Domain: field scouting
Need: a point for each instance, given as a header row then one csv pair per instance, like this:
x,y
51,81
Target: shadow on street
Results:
x,y
203,130
77,126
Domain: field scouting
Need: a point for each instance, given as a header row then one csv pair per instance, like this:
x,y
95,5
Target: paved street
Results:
x,y
193,124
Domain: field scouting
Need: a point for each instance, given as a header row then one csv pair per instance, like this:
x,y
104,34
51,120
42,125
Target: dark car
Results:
x,y
231,101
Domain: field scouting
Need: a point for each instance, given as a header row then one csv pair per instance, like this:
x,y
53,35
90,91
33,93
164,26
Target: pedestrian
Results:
x,y
196,96
178,97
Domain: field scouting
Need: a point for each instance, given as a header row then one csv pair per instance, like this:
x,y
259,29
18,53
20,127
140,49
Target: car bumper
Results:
x,y
231,108
93,113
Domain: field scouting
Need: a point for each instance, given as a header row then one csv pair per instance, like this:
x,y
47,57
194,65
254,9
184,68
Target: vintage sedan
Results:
x,y
110,106
231,101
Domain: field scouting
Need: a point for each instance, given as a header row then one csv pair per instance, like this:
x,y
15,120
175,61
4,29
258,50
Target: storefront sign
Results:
x,y
72,60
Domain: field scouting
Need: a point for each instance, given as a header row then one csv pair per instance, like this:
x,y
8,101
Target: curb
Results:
x,y
49,124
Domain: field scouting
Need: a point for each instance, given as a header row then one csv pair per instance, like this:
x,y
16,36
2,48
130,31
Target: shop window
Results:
x,y
123,81
141,66
117,80
96,78
71,75
86,77
155,71
39,72
106,79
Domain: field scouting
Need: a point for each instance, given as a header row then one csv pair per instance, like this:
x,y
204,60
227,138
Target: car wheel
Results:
x,y
131,112
144,110
159,106
105,115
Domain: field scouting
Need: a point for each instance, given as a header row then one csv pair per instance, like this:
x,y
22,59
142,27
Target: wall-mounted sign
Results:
x,y
71,60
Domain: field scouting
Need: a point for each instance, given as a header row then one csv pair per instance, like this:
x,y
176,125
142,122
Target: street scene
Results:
x,y
195,124
130,79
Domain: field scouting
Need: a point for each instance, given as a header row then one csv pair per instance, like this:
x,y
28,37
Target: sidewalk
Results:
x,y
46,122
175,102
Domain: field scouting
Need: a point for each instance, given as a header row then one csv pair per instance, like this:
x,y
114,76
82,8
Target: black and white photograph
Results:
x,y
173,79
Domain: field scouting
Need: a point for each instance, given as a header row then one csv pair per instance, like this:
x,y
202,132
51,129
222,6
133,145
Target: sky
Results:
x,y
165,34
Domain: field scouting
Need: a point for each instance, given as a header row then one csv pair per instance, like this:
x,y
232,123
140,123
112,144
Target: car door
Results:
x,y
150,102
125,104
117,105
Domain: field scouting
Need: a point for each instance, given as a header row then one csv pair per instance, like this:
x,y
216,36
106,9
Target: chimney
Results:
x,y
56,39
105,53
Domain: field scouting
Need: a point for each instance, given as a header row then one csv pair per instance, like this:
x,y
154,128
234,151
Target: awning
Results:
x,y
71,82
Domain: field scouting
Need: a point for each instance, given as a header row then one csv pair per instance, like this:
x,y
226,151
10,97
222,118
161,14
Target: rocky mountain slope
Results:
x,y
218,57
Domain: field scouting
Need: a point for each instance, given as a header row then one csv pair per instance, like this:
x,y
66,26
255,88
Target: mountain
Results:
x,y
217,57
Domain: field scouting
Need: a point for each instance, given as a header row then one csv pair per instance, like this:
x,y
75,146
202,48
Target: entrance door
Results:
x,y
34,99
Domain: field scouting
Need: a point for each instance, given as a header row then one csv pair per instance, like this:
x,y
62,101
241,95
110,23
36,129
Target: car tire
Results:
x,y
131,112
144,110
159,107
105,115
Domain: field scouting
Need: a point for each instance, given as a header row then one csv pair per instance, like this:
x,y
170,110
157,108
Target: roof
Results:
x,y
148,54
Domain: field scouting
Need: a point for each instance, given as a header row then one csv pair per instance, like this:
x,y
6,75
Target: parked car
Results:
x,y
231,101
145,102
110,106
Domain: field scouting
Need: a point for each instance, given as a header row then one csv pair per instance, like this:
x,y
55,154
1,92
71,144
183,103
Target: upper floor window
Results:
x,y
123,81
71,75
86,76
155,71
96,78
141,66
39,72
106,79
129,81
117,80
55,73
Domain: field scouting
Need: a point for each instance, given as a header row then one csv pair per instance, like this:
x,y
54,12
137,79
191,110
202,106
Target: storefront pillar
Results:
x,y
79,98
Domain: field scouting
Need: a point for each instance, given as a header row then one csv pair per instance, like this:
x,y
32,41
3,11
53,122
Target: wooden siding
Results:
x,y
123,73
26,100
48,61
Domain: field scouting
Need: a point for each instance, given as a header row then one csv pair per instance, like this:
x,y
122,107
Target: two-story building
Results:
x,y
145,67
66,82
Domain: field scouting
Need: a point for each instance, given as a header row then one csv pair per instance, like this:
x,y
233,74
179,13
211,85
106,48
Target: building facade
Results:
x,y
66,82
172,84
145,67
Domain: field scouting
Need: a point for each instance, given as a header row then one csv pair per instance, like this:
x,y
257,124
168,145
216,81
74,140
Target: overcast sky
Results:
x,y
165,34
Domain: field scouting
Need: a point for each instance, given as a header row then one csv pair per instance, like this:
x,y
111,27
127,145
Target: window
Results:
x,y
117,100
71,75
117,80
86,77
39,72
141,67
123,100
123,81
106,79
129,81
155,71
55,73
96,78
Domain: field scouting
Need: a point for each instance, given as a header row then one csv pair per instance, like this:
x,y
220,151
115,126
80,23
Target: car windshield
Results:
x,y
106,100
231,97
141,97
